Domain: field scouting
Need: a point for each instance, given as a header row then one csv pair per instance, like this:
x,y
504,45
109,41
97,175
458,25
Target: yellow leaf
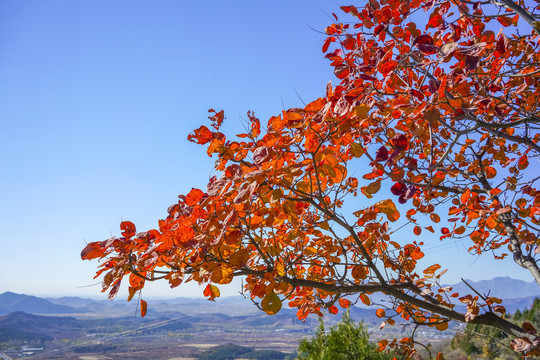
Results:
x,y
356,150
365,299
271,304
442,326
280,270
222,274
361,111
389,209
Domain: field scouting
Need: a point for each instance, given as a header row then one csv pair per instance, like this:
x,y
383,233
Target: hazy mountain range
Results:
x,y
517,294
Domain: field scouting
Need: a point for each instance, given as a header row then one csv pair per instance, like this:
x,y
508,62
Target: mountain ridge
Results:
x,y
516,294
11,302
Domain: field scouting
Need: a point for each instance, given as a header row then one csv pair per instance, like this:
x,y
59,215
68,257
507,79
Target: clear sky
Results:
x,y
97,99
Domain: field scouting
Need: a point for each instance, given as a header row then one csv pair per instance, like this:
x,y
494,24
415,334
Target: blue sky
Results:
x,y
97,99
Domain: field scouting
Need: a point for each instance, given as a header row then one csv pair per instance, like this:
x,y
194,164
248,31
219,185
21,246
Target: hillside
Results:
x,y
11,302
501,287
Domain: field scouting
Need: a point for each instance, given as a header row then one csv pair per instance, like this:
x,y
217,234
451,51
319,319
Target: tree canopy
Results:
x,y
437,102
344,341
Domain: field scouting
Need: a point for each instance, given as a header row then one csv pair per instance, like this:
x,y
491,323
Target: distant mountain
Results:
x,y
73,301
517,294
501,287
11,302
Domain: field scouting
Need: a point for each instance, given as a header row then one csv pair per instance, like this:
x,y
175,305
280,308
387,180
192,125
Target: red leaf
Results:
x,y
341,71
398,188
128,229
387,66
327,42
435,20
528,328
92,251
424,43
201,135
417,94
382,154
366,77
336,53
344,303
400,142
523,162
504,20
378,29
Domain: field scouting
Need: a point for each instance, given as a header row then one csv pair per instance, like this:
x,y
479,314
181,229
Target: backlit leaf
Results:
x,y
193,197
211,291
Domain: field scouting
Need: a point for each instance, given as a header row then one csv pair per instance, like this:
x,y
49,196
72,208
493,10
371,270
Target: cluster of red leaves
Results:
x,y
448,114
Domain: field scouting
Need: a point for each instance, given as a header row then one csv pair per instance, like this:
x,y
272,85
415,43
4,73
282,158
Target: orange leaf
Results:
x,y
465,196
460,230
380,313
417,255
490,172
193,197
432,269
143,308
504,20
92,251
222,274
491,222
344,303
389,208
359,272
211,291
442,326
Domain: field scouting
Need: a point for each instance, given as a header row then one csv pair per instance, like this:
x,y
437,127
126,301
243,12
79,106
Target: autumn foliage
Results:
x,y
435,116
